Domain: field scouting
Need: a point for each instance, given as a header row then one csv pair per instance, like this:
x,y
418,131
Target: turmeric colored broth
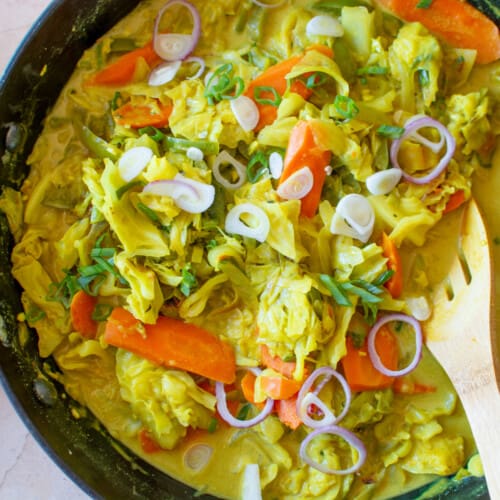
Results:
x,y
411,438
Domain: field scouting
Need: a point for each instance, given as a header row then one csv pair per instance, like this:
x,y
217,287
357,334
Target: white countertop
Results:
x,y
26,472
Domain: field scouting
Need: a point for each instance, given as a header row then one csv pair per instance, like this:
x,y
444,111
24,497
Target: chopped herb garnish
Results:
x,y
101,312
180,145
366,291
423,77
267,95
211,244
64,290
148,212
212,426
127,187
155,134
424,4
345,107
391,131
384,277
257,166
223,85
316,79
244,411
188,281
116,101
371,70
34,314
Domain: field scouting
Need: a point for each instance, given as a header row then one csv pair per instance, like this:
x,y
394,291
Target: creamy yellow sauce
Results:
x,y
92,379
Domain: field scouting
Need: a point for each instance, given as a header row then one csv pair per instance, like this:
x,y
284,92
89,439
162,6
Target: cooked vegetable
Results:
x,y
82,308
395,283
138,116
455,21
173,343
303,151
123,70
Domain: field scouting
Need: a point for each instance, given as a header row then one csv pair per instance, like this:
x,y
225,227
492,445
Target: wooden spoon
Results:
x,y
461,337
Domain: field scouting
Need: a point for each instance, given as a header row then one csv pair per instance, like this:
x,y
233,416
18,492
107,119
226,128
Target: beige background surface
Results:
x,y
26,472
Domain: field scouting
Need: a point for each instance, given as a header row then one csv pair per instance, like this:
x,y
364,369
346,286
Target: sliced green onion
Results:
x,y
101,312
316,80
212,426
424,4
222,85
335,290
423,77
244,411
361,292
391,131
34,314
257,166
148,212
345,107
103,252
371,70
384,277
155,134
188,281
127,187
273,100
180,145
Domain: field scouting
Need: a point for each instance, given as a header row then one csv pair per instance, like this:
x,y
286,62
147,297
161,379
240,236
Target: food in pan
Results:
x,y
230,233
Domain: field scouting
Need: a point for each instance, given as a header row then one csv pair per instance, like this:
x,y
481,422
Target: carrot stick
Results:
x,y
248,386
287,412
454,201
279,387
390,250
140,116
122,71
174,344
81,309
359,371
286,368
303,151
456,21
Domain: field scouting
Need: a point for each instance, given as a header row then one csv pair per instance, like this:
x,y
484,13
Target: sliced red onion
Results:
x,y
305,398
201,62
298,185
220,394
197,456
348,436
324,25
275,165
133,162
189,195
383,182
246,112
354,217
224,158
260,227
372,351
176,46
269,5
435,147
164,73
411,131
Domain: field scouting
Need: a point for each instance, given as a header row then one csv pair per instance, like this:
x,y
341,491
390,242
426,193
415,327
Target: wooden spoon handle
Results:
x,y
481,401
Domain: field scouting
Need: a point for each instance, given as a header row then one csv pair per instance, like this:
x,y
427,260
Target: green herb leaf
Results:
x,y
257,166
424,4
101,312
345,107
390,131
223,85
371,70
274,99
188,281
335,290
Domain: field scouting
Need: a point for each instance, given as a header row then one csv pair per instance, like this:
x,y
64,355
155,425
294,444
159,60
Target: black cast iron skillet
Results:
x,y
81,447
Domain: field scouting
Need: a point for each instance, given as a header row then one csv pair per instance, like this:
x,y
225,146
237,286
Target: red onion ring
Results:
x,y
220,394
306,398
348,436
413,125
372,352
176,46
